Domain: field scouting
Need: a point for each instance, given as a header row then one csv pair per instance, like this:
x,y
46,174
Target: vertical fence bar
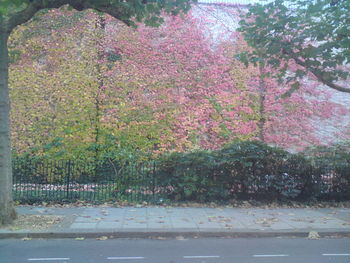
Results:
x,y
37,172
105,187
14,177
94,185
50,179
140,182
57,167
68,178
26,176
129,178
95,181
130,182
153,174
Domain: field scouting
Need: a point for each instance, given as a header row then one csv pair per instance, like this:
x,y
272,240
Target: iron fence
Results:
x,y
67,180
154,182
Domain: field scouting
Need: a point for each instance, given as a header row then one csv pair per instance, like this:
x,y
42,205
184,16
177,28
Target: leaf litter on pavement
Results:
x,y
34,222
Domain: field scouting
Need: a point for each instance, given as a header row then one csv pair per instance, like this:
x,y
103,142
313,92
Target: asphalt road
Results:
x,y
255,250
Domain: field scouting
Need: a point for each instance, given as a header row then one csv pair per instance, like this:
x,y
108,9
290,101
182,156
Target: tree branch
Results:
x,y
26,14
321,78
318,75
21,17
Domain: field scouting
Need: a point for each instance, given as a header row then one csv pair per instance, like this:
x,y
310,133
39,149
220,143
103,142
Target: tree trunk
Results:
x,y
7,211
100,27
262,113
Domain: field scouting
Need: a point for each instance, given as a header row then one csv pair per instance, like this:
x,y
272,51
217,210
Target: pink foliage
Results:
x,y
204,93
186,76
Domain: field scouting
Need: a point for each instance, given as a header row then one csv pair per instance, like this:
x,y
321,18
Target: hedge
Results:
x,y
241,170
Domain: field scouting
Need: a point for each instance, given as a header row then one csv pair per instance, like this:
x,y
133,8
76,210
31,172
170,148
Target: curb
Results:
x,y
170,235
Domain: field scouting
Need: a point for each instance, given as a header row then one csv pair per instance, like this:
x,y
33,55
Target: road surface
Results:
x,y
240,250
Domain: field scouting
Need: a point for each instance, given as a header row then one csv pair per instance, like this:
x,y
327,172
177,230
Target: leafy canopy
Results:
x,y
16,12
313,35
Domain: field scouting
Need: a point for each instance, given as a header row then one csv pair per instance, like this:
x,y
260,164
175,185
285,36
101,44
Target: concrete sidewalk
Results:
x,y
133,222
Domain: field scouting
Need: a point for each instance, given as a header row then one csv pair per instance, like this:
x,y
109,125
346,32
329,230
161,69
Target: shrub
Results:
x,y
248,169
332,165
241,170
191,176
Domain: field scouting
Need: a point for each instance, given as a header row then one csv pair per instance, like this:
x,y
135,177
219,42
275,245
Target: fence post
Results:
x,y
68,176
154,180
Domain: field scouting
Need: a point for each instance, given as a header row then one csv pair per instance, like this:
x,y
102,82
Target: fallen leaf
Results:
x,y
225,220
313,235
102,238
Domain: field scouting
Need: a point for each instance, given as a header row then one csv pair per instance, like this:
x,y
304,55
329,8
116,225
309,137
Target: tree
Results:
x,y
65,108
285,116
17,12
173,98
284,121
312,35
58,117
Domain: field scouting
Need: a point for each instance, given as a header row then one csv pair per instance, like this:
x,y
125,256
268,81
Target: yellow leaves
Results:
x,y
215,116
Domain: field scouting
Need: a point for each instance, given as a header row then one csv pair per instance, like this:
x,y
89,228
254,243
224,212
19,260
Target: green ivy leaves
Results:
x,y
6,6
313,34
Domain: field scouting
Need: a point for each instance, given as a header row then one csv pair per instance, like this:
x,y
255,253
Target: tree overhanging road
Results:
x,y
174,251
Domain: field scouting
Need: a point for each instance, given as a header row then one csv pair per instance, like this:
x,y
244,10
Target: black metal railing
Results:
x,y
155,182
66,180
